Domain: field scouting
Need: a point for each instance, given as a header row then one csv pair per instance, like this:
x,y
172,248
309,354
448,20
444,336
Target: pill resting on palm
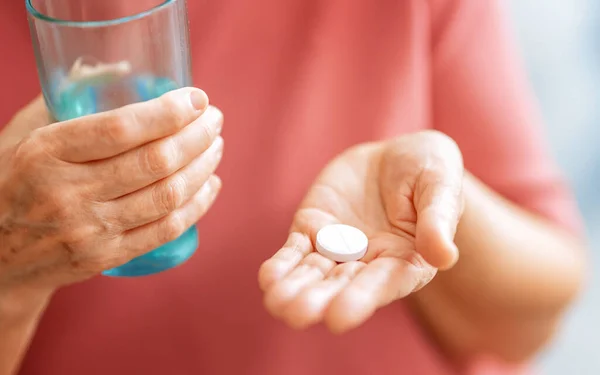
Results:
x,y
342,243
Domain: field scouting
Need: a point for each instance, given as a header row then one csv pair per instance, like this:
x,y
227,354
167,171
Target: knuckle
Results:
x,y
57,204
161,159
108,225
170,195
172,227
208,134
172,109
116,129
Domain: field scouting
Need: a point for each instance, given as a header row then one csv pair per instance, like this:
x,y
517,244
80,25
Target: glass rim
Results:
x,y
116,21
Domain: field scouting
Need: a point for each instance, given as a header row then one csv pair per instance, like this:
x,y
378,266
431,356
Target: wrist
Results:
x,y
23,302
20,311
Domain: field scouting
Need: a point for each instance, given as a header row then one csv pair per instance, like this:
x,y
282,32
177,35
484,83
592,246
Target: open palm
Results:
x,y
406,196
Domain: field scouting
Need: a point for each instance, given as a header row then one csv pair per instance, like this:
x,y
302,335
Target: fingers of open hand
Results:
x,y
142,239
341,295
312,268
298,245
156,160
303,288
110,133
307,298
377,284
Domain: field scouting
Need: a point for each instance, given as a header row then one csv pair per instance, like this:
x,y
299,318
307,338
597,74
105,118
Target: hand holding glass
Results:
x,y
94,56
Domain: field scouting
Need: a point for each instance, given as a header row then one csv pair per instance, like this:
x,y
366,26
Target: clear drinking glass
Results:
x,y
98,55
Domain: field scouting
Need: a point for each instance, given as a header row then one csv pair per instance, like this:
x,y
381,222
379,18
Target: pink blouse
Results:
x,y
299,81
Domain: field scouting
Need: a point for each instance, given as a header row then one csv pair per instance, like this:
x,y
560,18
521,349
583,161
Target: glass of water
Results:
x,y
98,55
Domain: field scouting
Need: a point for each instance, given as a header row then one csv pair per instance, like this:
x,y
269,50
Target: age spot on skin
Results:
x,y
68,249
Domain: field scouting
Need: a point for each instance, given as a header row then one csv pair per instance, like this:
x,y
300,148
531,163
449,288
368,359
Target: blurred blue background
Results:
x,y
560,43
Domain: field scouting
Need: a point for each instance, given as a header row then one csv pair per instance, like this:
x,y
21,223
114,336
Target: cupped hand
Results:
x,y
86,195
406,195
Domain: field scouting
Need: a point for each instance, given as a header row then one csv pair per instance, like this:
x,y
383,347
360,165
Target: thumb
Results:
x,y
422,179
439,205
34,115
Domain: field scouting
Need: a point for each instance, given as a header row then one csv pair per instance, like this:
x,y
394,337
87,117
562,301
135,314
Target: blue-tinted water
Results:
x,y
163,258
78,100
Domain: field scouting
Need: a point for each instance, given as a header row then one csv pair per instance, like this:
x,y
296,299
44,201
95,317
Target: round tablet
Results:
x,y
342,243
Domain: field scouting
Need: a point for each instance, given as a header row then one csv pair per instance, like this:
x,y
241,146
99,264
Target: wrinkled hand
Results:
x,y
406,195
86,195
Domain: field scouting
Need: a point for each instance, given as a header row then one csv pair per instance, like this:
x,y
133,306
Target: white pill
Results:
x,y
342,243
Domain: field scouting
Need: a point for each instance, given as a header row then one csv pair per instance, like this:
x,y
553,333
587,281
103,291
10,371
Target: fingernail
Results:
x,y
199,100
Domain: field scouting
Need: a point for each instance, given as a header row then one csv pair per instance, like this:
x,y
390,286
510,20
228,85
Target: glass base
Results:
x,y
165,257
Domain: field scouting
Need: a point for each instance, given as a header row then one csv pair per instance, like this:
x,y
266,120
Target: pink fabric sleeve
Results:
x,y
482,99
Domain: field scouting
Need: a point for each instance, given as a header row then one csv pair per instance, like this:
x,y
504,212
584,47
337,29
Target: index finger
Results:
x,y
110,133
299,244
